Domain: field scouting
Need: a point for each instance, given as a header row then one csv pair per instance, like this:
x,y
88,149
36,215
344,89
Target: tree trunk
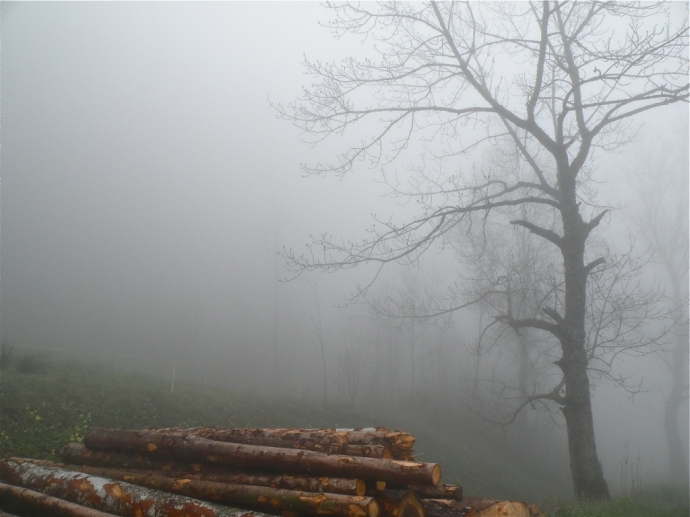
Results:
x,y
13,495
588,479
678,456
379,439
107,495
194,448
262,498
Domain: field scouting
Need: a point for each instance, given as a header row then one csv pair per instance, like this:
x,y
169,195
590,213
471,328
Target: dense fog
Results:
x,y
150,195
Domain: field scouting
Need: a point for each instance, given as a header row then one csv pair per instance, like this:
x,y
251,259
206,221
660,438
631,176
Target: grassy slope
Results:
x,y
41,412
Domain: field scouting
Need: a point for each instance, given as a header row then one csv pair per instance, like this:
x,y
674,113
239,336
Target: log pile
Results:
x,y
240,473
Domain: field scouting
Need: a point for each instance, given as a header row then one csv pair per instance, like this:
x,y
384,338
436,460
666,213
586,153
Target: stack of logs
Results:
x,y
214,472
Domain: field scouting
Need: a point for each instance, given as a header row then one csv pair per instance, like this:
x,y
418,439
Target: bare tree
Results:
x,y
560,79
318,335
410,302
517,277
350,363
660,197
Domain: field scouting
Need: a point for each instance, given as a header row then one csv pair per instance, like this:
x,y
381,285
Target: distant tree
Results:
x,y
407,303
659,181
561,79
319,338
350,362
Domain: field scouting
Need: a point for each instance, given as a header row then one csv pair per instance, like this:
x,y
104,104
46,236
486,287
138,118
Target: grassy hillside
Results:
x,y
42,411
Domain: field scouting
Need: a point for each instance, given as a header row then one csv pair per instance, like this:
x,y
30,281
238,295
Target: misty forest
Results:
x,y
468,221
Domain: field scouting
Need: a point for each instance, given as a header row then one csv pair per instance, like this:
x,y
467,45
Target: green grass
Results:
x,y
639,505
42,411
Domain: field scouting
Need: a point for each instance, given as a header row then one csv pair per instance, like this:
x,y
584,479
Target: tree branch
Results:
x,y
549,235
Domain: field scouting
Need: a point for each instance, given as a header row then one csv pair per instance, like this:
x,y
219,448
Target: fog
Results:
x,y
148,186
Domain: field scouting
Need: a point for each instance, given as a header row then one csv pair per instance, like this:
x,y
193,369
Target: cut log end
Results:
x,y
401,505
372,509
436,474
410,506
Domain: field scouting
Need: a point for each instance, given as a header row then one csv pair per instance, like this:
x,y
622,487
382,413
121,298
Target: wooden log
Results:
x,y
398,443
107,495
229,435
261,498
400,505
477,507
342,486
441,491
45,503
77,454
293,461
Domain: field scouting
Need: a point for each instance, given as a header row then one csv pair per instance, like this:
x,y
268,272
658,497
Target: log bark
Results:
x,y
107,495
476,507
442,491
194,448
77,454
271,500
374,442
45,503
405,504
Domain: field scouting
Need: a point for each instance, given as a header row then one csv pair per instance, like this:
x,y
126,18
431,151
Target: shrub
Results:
x,y
31,363
5,353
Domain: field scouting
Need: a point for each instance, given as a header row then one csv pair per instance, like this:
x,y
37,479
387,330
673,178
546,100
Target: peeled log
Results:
x,y
399,443
77,454
251,497
107,495
194,448
46,503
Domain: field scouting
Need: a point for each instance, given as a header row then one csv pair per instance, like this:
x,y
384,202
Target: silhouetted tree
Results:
x,y
518,276
560,79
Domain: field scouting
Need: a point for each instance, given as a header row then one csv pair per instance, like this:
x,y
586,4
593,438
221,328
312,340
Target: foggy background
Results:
x,y
147,187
